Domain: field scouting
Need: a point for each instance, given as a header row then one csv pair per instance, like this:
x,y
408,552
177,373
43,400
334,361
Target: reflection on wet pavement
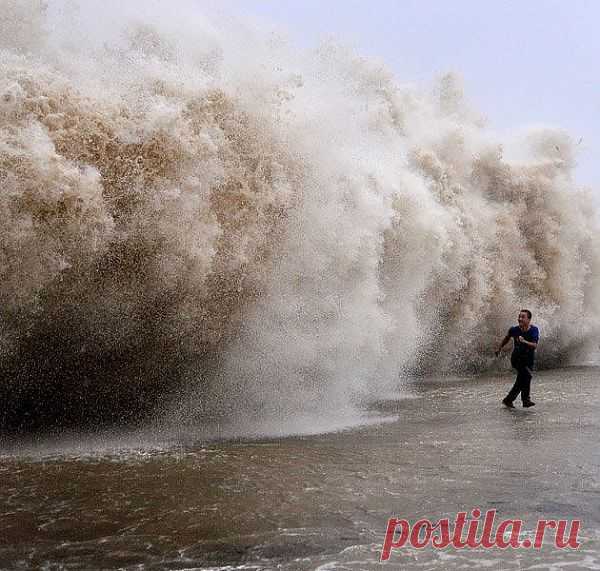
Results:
x,y
319,502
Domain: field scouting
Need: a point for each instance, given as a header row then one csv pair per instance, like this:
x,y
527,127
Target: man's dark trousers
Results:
x,y
523,381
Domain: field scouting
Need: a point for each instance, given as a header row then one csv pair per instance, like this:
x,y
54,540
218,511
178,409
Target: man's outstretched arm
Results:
x,y
504,342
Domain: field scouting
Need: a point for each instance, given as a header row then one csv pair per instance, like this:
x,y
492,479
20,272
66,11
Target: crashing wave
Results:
x,y
191,202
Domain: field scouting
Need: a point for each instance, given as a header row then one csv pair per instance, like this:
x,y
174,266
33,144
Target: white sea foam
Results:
x,y
185,196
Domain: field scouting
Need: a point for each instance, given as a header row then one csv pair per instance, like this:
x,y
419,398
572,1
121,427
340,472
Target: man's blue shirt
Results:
x,y
524,353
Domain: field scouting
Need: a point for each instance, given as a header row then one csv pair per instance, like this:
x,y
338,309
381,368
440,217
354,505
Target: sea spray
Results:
x,y
188,202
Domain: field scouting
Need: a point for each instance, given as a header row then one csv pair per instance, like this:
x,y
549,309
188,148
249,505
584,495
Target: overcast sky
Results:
x,y
526,62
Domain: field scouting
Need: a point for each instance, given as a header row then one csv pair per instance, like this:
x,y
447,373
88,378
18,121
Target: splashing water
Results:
x,y
188,202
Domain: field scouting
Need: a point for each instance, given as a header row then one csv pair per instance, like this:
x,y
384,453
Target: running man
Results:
x,y
525,337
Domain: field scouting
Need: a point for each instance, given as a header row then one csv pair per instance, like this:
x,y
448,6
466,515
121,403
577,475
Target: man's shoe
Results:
x,y
528,403
508,403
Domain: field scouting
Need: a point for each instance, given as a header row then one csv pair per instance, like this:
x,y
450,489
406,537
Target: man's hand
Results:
x,y
521,339
504,342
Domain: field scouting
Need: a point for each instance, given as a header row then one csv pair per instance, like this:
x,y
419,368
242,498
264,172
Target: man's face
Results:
x,y
523,319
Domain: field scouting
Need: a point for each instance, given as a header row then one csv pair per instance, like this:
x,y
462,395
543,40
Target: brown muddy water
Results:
x,y
142,501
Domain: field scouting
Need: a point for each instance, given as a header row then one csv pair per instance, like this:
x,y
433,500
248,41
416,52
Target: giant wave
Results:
x,y
189,202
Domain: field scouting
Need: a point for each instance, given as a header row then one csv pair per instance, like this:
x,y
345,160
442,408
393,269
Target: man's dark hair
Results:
x,y
527,312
